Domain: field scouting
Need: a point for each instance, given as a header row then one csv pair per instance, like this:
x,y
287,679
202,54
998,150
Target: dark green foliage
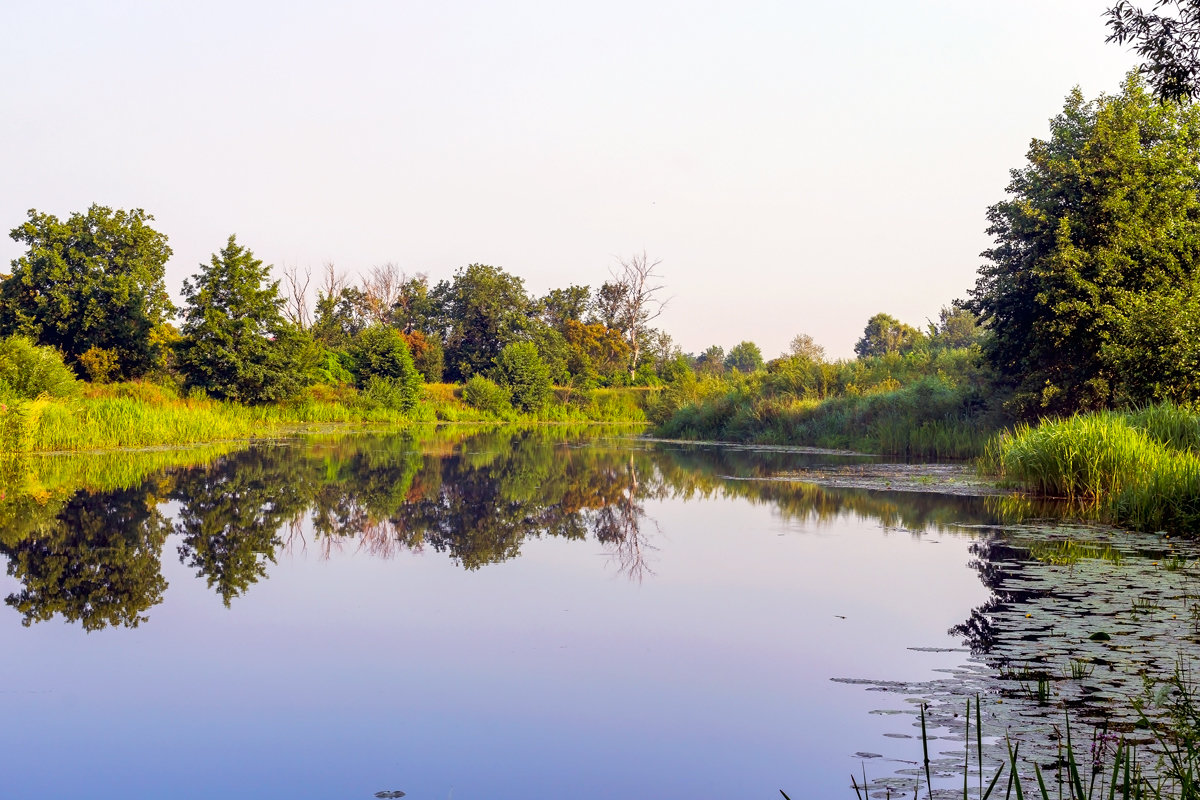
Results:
x,y
236,344
957,327
884,335
95,280
1169,43
1090,291
339,318
521,371
484,394
480,311
27,370
745,357
562,305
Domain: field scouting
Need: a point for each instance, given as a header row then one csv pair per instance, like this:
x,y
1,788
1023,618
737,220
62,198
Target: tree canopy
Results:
x,y
1090,290
94,280
236,344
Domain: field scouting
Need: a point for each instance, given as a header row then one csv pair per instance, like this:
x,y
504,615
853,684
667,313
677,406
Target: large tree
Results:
x,y
236,344
479,312
91,282
1098,240
885,334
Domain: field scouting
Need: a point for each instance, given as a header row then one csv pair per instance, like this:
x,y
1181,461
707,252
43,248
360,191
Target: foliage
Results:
x,y
236,344
99,363
94,280
381,354
595,353
1089,293
427,355
884,335
480,311
486,395
804,346
27,370
1169,43
744,357
521,371
562,306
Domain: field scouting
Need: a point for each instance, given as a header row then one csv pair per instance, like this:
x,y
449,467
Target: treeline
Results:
x,y
92,287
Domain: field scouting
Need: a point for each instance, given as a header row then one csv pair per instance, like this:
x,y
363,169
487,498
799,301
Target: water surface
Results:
x,y
479,613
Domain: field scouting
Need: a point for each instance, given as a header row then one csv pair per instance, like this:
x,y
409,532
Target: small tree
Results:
x,y
804,346
885,334
521,371
380,353
745,357
236,344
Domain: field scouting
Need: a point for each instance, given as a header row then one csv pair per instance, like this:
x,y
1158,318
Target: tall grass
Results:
x,y
931,417
135,415
1142,468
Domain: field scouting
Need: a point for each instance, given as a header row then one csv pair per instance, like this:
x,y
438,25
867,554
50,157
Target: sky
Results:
x,y
796,167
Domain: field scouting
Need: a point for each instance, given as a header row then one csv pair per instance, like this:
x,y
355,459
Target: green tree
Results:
x,y
521,370
885,334
479,312
1098,242
744,357
92,281
561,306
236,344
956,327
805,347
380,353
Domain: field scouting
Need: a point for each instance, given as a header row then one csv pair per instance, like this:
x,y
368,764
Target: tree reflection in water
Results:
x,y
475,495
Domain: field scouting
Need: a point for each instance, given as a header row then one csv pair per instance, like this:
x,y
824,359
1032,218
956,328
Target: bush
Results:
x,y
27,370
486,395
381,352
521,371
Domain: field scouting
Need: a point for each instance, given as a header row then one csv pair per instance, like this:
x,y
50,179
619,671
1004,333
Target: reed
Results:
x,y
1142,468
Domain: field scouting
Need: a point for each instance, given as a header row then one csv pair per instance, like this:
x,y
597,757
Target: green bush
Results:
x,y
484,394
27,370
380,352
521,371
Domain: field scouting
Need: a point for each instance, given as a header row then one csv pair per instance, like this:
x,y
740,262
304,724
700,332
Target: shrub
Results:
x,y
27,370
521,371
99,363
486,395
380,352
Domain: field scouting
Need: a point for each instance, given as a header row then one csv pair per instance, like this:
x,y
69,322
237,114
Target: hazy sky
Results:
x,y
796,166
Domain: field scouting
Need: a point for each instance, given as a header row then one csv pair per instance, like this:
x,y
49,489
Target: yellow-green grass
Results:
x,y
137,415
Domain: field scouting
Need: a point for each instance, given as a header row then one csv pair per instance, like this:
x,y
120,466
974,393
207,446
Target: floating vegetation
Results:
x,y
1082,618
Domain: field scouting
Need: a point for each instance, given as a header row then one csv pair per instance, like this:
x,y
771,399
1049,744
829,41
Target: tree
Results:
x,y
745,357
380,353
885,334
236,344
804,346
956,327
479,312
636,302
561,306
521,371
1168,42
1099,239
712,360
92,281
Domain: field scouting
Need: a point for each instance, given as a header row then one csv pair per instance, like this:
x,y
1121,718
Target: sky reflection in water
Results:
x,y
464,615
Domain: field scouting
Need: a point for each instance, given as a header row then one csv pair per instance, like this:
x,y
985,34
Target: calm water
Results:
x,y
495,614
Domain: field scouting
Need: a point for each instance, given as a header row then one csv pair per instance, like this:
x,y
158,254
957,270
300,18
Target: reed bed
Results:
x,y
1142,468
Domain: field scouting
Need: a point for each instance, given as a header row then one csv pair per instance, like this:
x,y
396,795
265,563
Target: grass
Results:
x,y
1141,468
137,415
929,418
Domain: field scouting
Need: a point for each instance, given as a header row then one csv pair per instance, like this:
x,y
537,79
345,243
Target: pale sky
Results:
x,y
796,166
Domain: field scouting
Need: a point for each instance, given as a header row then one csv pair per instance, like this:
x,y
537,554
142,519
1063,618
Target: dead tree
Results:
x,y
640,284
295,305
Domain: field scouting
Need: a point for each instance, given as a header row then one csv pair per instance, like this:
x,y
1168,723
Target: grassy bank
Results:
x,y
150,415
1141,469
933,417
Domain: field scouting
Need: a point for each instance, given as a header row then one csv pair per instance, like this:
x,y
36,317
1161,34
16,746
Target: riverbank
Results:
x,y
143,414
